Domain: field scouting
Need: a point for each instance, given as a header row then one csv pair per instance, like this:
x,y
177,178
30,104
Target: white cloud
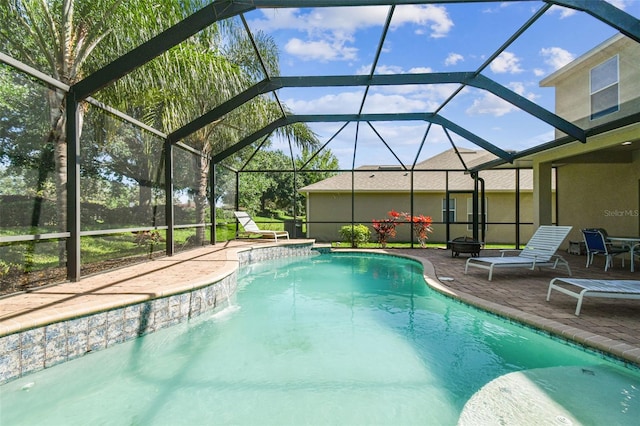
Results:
x,y
403,138
382,103
521,89
420,70
277,19
334,28
430,94
506,62
393,69
341,103
497,9
453,59
381,99
620,4
556,57
564,12
429,16
381,69
517,87
489,104
538,72
400,134
319,50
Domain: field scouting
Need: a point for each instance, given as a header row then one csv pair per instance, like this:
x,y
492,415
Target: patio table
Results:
x,y
632,243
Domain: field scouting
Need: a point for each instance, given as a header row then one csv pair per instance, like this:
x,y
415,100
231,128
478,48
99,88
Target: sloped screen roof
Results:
x,y
396,82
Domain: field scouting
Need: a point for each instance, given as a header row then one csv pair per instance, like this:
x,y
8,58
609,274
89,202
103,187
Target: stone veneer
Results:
x,y
32,350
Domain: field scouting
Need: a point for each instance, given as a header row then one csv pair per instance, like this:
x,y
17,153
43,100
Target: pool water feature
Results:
x,y
345,338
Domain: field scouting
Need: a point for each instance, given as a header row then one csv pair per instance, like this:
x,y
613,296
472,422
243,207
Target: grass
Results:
x,y
106,248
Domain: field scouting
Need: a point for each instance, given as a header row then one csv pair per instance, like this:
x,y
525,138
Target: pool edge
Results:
x,y
600,344
31,345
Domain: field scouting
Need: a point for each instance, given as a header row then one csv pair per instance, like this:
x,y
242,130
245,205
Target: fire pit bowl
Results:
x,y
464,245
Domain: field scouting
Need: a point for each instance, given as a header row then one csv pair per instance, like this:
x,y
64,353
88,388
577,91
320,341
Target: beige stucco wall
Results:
x,y
336,207
598,182
594,189
601,196
572,87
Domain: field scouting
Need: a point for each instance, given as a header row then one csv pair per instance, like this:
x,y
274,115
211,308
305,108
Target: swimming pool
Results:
x,y
343,338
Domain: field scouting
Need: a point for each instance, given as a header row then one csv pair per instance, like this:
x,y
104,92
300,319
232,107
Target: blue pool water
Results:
x,y
340,339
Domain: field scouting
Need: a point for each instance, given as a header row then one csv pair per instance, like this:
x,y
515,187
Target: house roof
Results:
x,y
429,176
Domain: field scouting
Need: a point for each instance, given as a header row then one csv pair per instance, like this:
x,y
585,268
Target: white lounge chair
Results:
x,y
612,289
539,251
250,227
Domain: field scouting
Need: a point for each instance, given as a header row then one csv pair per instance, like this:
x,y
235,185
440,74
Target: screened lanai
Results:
x,y
138,131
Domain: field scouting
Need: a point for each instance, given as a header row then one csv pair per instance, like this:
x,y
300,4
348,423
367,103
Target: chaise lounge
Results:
x,y
611,289
251,228
539,251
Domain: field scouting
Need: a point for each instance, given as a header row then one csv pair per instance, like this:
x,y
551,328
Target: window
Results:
x,y
452,210
470,213
604,88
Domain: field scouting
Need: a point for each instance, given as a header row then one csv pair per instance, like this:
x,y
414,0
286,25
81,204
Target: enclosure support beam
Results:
x,y
168,204
622,21
333,118
542,194
466,78
474,206
73,187
517,208
483,208
212,201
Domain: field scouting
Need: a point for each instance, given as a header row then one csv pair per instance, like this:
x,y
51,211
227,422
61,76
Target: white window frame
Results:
x,y
470,213
594,115
452,209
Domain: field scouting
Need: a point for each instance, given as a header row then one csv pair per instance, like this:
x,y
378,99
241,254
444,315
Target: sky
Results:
x,y
424,39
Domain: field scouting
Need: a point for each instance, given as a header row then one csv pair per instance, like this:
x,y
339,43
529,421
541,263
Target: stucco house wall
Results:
x,y
572,82
601,196
599,182
378,189
336,207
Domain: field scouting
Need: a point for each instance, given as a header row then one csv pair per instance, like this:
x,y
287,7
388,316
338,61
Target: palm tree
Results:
x,y
55,38
60,38
213,68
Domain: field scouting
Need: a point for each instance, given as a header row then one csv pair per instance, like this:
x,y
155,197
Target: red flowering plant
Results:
x,y
386,228
421,227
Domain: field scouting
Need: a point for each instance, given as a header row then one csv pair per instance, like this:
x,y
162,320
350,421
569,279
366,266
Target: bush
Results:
x,y
355,235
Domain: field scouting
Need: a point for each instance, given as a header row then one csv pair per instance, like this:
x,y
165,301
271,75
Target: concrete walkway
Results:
x,y
612,326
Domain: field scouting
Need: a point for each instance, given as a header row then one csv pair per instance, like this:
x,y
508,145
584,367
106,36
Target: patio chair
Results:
x,y
611,289
539,251
606,237
250,227
596,243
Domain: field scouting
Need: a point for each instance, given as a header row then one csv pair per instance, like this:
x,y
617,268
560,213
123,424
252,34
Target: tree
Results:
x,y
59,37
56,37
23,118
313,169
273,187
214,68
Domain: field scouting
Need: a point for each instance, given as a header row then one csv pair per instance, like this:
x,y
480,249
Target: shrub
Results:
x,y
355,235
